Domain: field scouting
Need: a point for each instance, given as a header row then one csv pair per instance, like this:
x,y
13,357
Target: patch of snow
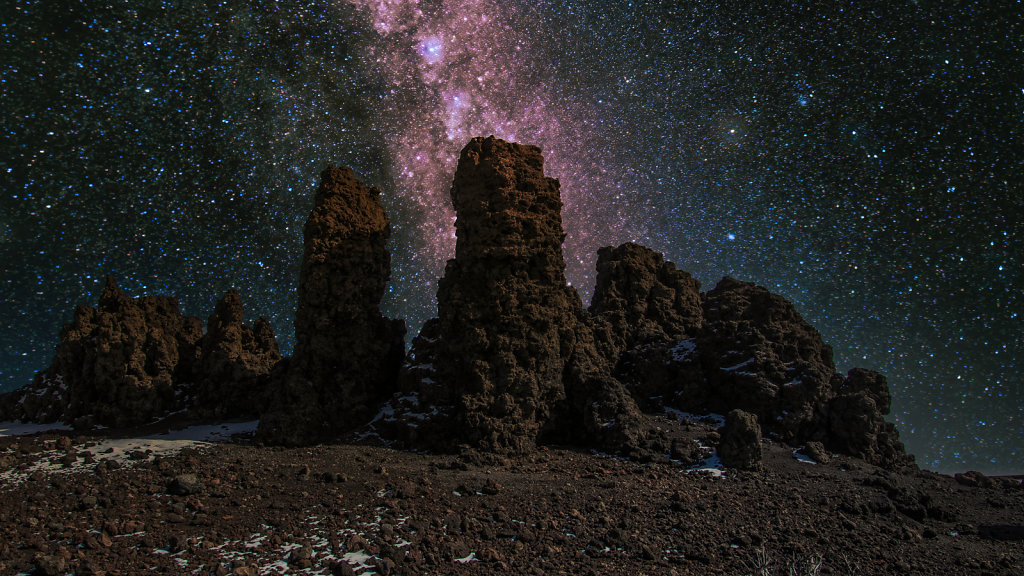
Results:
x,y
717,419
738,366
803,458
120,450
359,558
683,349
711,465
467,559
27,429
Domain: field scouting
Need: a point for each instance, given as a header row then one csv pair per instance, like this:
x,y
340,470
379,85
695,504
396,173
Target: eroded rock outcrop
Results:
x,y
235,363
642,299
511,358
116,364
856,425
746,348
347,355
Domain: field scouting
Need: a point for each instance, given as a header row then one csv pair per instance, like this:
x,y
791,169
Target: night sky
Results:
x,y
863,159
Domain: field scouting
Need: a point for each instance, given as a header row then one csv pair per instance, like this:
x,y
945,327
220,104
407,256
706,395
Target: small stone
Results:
x,y
491,488
184,485
816,451
49,565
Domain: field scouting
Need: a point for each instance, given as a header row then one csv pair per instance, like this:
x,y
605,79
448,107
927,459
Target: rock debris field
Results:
x,y
156,503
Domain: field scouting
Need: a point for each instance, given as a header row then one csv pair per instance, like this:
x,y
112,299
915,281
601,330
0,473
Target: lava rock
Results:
x,y
512,354
640,299
347,355
740,444
117,364
236,360
49,565
185,485
856,423
816,451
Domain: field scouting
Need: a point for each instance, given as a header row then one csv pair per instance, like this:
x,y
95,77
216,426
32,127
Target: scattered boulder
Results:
x,y
50,565
816,451
347,355
185,485
511,356
740,443
974,479
235,363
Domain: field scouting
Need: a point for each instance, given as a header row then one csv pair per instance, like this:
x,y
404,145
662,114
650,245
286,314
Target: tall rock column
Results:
x,y
512,356
347,355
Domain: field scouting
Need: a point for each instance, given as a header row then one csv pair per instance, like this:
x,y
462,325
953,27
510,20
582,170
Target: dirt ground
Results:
x,y
102,504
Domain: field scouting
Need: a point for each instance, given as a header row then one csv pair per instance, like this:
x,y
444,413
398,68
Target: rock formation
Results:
x,y
641,299
744,348
856,425
116,364
511,357
740,444
347,355
758,354
235,362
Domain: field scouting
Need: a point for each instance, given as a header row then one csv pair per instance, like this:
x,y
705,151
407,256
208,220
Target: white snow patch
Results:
x,y
27,429
738,366
467,559
683,349
803,458
711,465
121,449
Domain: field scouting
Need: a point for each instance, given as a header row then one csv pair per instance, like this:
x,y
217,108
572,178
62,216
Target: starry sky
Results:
x,y
861,158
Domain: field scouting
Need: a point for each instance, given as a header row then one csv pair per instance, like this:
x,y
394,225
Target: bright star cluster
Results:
x,y
862,160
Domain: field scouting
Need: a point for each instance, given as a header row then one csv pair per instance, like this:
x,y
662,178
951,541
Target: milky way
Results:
x,y
863,161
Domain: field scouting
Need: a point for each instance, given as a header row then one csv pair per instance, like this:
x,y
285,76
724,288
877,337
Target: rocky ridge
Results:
x,y
130,361
513,359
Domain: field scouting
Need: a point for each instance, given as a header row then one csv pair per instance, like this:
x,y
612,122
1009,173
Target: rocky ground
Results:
x,y
102,504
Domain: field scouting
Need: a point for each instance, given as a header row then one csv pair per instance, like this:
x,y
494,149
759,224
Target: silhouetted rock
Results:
x,y
232,372
116,364
347,355
641,299
511,356
756,353
740,443
856,423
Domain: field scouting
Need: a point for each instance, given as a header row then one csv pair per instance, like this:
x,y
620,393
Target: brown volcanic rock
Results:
x,y
740,444
233,371
641,299
758,354
511,356
116,364
347,355
856,425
